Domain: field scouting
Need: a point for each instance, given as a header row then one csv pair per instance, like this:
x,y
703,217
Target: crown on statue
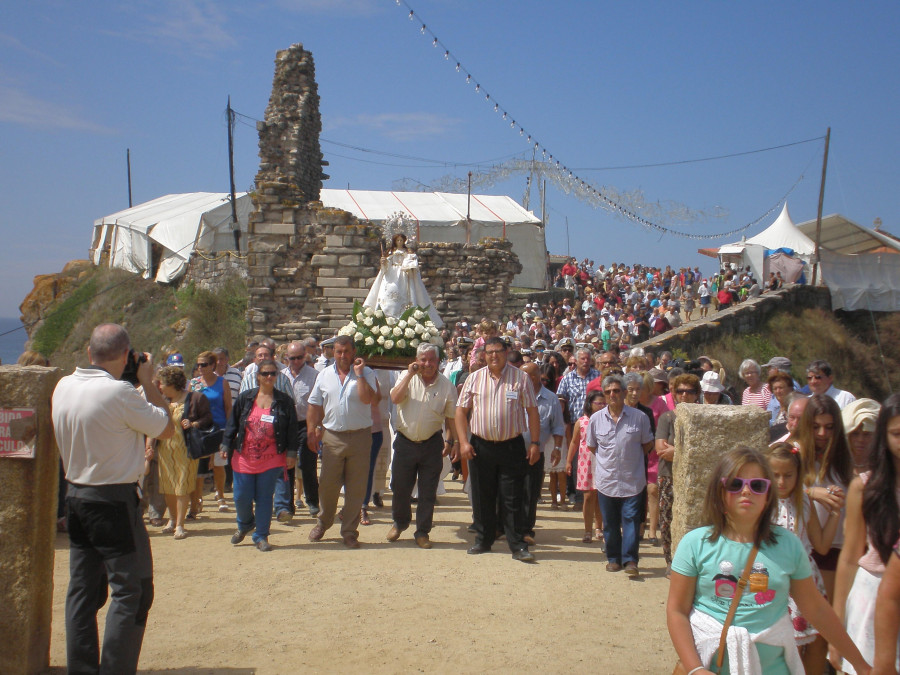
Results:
x,y
400,222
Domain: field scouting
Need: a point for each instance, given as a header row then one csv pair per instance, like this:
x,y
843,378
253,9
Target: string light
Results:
x,y
573,183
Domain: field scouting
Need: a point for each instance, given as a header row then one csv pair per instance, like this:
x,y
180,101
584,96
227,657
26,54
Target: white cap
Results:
x,y
711,382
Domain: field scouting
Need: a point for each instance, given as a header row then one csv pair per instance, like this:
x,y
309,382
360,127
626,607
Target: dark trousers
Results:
x,y
534,479
377,440
498,468
621,522
108,546
309,469
422,461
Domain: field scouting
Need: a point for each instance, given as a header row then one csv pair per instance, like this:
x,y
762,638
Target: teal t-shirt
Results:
x,y
717,566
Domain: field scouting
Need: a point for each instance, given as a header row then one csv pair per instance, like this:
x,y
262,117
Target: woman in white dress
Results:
x,y
398,285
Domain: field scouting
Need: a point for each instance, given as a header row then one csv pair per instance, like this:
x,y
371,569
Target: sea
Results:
x,y
12,339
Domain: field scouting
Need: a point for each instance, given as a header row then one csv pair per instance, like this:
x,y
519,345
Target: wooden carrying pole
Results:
x,y
819,216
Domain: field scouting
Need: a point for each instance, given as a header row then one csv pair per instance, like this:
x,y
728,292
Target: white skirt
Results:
x,y
860,616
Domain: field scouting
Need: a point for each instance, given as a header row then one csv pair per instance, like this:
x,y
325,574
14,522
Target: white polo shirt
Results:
x,y
100,424
340,401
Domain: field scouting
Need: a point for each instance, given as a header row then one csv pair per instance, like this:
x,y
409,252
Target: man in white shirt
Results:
x,y
820,378
100,422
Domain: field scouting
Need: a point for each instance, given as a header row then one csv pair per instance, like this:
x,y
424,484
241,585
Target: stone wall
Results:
x,y
209,270
745,317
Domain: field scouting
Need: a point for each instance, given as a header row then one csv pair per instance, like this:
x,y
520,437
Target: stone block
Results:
x,y
703,433
336,282
344,293
28,517
322,260
287,216
274,228
350,260
333,240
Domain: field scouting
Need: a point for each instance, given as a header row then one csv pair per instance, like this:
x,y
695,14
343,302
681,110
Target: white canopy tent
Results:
x,y
441,217
157,238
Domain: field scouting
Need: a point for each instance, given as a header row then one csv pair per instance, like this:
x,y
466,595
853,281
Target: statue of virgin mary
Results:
x,y
398,285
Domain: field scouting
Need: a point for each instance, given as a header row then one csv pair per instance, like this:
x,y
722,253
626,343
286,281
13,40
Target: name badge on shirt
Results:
x,y
512,396
267,418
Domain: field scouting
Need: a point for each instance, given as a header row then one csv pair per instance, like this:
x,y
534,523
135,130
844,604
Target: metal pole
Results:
x,y
469,212
128,163
819,216
236,227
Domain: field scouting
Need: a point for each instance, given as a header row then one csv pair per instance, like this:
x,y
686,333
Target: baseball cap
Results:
x,y
779,362
658,375
175,359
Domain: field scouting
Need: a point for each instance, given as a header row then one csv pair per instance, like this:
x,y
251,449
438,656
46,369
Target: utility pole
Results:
x,y
819,216
128,164
469,211
235,225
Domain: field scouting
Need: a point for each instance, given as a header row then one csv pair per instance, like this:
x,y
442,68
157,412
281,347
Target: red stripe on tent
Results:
x,y
492,213
350,194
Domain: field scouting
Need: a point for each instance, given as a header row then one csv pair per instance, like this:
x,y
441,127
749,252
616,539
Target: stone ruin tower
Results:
x,y
306,264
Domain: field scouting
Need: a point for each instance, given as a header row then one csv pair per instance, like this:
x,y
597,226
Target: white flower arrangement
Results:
x,y
376,334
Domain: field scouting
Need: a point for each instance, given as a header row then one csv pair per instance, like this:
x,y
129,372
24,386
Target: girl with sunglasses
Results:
x,y
738,512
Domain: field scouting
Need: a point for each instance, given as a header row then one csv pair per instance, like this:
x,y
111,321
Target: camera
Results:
x,y
135,359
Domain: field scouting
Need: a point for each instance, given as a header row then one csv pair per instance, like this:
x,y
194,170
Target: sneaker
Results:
x,y
284,517
298,504
223,506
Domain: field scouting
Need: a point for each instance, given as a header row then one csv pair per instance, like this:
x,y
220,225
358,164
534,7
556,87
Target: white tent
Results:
x,y
784,234
157,238
441,217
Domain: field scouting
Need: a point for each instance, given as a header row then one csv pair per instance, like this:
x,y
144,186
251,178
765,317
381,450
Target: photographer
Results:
x,y
100,423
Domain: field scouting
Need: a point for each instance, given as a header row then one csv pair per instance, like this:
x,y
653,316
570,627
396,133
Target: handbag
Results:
x,y
732,609
200,442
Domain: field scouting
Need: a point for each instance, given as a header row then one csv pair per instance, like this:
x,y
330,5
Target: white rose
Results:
x,y
401,323
429,324
370,341
414,342
419,314
397,331
401,343
360,316
385,330
369,321
345,331
391,321
420,329
380,340
388,344
357,337
351,326
439,341
369,311
409,333
379,314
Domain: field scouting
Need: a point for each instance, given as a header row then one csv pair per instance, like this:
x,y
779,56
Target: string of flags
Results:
x,y
566,176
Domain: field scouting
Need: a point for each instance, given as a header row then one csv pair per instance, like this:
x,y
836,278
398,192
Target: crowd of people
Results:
x,y
556,390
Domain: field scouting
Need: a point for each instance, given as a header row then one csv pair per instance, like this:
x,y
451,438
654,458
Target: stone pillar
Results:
x,y
703,433
27,521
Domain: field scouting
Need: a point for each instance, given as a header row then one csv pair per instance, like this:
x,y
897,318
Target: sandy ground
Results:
x,y
392,607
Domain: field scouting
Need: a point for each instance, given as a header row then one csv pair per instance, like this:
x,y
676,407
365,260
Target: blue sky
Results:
x,y
600,85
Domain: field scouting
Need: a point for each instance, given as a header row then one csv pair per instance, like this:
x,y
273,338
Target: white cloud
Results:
x,y
15,43
20,107
398,126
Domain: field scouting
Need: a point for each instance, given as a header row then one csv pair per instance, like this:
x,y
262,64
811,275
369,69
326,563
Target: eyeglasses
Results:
x,y
268,373
758,486
609,392
685,391
296,358
202,365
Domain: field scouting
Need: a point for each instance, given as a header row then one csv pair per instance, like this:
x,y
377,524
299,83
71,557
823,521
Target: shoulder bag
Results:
x,y
200,442
732,609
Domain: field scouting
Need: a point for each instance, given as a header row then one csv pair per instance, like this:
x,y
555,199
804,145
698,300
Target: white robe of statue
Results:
x,y
399,286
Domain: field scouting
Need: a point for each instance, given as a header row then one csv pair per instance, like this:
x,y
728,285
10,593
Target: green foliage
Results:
x,y
56,327
215,318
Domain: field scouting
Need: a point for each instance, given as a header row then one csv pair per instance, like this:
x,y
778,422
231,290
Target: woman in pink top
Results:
x,y
870,529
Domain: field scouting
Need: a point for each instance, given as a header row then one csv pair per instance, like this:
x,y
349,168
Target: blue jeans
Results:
x,y
621,523
284,492
260,488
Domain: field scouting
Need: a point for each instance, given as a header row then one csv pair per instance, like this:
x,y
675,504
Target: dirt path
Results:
x,y
391,607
